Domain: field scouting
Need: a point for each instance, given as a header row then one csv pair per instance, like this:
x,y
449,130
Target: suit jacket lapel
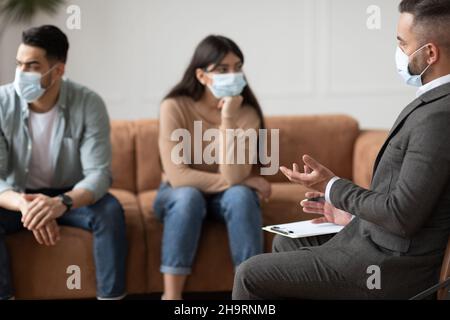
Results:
x,y
428,97
401,118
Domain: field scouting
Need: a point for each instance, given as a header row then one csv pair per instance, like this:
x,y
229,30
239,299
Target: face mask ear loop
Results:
x,y
49,70
423,72
424,46
47,73
418,49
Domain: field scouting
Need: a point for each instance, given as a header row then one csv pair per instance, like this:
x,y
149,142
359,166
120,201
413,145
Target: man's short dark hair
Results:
x,y
49,38
431,19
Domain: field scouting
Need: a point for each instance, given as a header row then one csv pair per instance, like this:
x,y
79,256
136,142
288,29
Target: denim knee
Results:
x,y
186,195
238,194
187,201
241,199
109,212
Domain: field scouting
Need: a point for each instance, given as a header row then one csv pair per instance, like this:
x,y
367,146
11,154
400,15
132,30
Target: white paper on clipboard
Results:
x,y
304,229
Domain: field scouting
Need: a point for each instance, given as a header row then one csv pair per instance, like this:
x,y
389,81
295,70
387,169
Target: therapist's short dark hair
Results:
x,y
49,38
431,19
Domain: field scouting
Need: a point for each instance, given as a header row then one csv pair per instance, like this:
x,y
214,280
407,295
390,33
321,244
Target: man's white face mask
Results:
x,y
403,61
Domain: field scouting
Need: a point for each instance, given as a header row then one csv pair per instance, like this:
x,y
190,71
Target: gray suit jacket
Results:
x,y
403,223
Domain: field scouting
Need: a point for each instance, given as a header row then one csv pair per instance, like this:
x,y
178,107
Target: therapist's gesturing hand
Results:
x,y
315,175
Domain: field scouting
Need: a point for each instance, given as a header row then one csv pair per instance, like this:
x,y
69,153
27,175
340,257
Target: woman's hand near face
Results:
x,y
230,105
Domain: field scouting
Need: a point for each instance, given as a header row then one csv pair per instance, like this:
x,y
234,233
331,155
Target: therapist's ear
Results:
x,y
433,53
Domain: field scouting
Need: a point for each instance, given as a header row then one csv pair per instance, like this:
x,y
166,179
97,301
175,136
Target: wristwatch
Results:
x,y
66,200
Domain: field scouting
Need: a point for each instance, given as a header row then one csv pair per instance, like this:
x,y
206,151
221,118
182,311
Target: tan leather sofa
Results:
x,y
41,272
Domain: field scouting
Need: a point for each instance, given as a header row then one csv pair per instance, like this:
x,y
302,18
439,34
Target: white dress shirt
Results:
x,y
433,85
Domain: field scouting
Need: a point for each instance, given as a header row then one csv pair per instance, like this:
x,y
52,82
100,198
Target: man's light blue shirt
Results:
x,y
81,151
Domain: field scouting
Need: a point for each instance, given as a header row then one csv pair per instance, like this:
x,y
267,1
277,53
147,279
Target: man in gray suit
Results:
x,y
400,227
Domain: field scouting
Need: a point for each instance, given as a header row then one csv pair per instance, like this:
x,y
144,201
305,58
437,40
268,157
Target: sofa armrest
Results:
x,y
367,147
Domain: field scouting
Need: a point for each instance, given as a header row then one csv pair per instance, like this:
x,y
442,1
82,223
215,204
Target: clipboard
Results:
x,y
304,229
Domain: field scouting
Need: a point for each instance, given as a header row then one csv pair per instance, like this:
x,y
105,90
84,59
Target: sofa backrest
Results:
x,y
148,164
329,138
123,155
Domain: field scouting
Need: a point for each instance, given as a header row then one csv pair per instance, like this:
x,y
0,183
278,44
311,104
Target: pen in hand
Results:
x,y
317,199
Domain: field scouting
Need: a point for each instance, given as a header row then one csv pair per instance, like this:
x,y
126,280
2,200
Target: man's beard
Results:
x,y
417,65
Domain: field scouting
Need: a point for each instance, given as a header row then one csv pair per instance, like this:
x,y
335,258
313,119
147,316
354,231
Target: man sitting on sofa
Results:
x,y
402,224
55,157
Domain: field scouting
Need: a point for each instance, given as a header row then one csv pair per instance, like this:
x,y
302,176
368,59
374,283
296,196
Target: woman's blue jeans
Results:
x,y
183,210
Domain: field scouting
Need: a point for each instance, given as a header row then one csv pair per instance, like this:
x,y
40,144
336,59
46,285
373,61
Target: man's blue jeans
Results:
x,y
105,219
182,210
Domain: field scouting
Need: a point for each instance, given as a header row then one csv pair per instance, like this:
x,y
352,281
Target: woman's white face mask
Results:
x,y
227,85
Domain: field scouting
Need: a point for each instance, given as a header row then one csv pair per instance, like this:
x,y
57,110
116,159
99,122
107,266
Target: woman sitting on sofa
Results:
x,y
212,97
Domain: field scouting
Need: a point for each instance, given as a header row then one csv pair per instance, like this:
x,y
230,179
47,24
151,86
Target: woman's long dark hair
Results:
x,y
211,51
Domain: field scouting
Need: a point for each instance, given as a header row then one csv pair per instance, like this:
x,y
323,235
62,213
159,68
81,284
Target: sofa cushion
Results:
x,y
40,272
146,200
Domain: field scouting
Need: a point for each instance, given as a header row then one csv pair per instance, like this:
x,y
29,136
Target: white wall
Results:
x,y
303,56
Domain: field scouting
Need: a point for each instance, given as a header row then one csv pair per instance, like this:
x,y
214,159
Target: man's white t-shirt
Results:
x,y
41,169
